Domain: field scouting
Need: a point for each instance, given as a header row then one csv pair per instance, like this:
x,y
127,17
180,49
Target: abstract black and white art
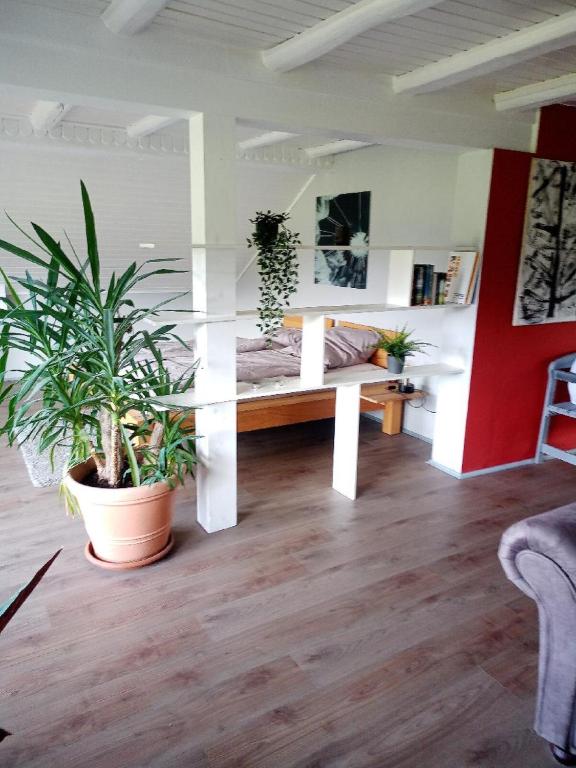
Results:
x,y
546,289
342,220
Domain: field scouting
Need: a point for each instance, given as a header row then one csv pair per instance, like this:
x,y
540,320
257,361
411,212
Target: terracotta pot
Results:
x,y
128,527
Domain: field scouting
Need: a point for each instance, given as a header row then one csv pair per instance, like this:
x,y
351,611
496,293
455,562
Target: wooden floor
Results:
x,y
319,633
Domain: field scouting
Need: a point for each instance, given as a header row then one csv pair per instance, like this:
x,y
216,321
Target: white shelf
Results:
x,y
201,318
332,379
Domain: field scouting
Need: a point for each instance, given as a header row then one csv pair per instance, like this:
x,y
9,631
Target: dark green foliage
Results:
x,y
277,267
400,345
83,378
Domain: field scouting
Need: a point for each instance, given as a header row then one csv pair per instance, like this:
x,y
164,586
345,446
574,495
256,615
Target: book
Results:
x,y
461,277
439,287
428,279
417,285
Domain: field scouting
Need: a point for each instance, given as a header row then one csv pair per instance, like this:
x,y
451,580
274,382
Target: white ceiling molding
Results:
x,y
337,30
526,44
47,114
148,125
537,94
336,148
288,157
110,138
265,140
127,17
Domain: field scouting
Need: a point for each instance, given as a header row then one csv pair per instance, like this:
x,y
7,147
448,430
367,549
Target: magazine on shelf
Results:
x,y
461,277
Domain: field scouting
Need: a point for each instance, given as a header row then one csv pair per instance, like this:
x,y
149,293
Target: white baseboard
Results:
x,y
478,472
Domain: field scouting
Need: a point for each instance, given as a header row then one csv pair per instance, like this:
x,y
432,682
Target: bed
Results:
x,y
348,345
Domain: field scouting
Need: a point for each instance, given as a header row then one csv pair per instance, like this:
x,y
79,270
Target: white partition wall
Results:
x,y
213,201
459,328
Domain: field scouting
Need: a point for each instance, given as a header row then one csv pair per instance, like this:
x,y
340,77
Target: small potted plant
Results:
x,y
399,345
277,264
91,383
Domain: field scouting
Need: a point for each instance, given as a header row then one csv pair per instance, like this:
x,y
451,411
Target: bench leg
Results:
x,y
392,419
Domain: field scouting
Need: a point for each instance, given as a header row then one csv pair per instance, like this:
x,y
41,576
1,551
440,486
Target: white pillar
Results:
x,y
346,429
213,200
312,360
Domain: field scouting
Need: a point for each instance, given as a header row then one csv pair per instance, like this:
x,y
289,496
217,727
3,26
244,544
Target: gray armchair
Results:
x,y
539,555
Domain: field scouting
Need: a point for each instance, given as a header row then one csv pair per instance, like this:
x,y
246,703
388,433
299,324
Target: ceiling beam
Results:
x,y
540,94
149,124
47,114
265,140
337,30
529,43
336,148
127,17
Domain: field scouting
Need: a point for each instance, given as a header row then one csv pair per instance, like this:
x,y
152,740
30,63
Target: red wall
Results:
x,y
509,371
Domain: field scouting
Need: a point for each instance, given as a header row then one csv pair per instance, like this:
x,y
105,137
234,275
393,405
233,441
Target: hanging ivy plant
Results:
x,y
277,267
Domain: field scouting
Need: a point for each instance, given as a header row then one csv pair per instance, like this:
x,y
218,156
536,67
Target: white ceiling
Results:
x,y
394,48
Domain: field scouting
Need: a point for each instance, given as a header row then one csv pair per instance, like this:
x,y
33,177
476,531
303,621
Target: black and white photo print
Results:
x,y
342,220
546,289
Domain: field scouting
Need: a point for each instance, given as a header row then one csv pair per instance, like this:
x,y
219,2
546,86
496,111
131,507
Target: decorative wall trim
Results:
x,y
18,128
279,155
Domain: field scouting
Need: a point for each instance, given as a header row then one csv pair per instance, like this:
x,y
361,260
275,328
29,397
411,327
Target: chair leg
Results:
x,y
561,756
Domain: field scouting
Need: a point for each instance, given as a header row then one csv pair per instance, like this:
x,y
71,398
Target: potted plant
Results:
x,y
399,345
91,367
277,264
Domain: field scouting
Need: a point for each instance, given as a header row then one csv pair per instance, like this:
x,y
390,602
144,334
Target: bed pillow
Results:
x,y
343,346
250,345
286,337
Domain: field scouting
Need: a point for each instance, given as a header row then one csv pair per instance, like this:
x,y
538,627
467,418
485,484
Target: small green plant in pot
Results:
x,y
277,264
399,345
91,382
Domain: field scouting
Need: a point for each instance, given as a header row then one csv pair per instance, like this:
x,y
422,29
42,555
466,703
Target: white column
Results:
x,y
345,467
312,360
213,200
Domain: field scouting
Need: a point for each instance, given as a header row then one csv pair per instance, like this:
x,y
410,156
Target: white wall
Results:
x,y
136,197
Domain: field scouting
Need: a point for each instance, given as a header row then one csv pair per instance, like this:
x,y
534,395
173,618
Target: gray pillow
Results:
x,y
343,346
250,345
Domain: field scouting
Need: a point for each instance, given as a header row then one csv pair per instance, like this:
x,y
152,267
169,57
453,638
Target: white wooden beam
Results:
x,y
265,140
336,147
127,17
312,356
529,43
346,433
149,124
337,30
47,114
213,219
540,94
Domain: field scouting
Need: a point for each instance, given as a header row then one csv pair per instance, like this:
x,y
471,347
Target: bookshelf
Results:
x,y
427,278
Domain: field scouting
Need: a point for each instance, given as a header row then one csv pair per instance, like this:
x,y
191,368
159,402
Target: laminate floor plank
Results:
x,y
318,633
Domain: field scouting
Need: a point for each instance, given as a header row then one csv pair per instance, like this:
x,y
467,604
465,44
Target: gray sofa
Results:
x,y
539,555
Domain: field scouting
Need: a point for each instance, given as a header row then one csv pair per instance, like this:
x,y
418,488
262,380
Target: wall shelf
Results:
x,y
201,318
293,385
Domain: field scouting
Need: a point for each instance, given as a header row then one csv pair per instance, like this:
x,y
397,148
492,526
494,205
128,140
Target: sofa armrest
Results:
x,y
539,555
551,534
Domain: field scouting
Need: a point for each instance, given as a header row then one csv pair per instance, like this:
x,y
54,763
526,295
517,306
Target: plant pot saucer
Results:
x,y
110,566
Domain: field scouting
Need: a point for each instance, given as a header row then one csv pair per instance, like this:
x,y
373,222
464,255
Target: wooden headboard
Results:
x,y
380,357
295,321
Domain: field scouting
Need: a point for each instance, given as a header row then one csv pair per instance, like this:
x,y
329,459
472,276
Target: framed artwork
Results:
x,y
546,288
342,220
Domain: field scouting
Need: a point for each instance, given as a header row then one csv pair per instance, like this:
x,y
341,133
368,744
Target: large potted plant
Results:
x,y
91,382
399,345
277,263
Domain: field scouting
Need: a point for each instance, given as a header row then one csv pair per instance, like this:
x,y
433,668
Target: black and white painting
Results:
x,y
342,220
546,289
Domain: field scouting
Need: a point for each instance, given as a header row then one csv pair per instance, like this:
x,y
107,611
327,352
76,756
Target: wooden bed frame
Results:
x,y
281,410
